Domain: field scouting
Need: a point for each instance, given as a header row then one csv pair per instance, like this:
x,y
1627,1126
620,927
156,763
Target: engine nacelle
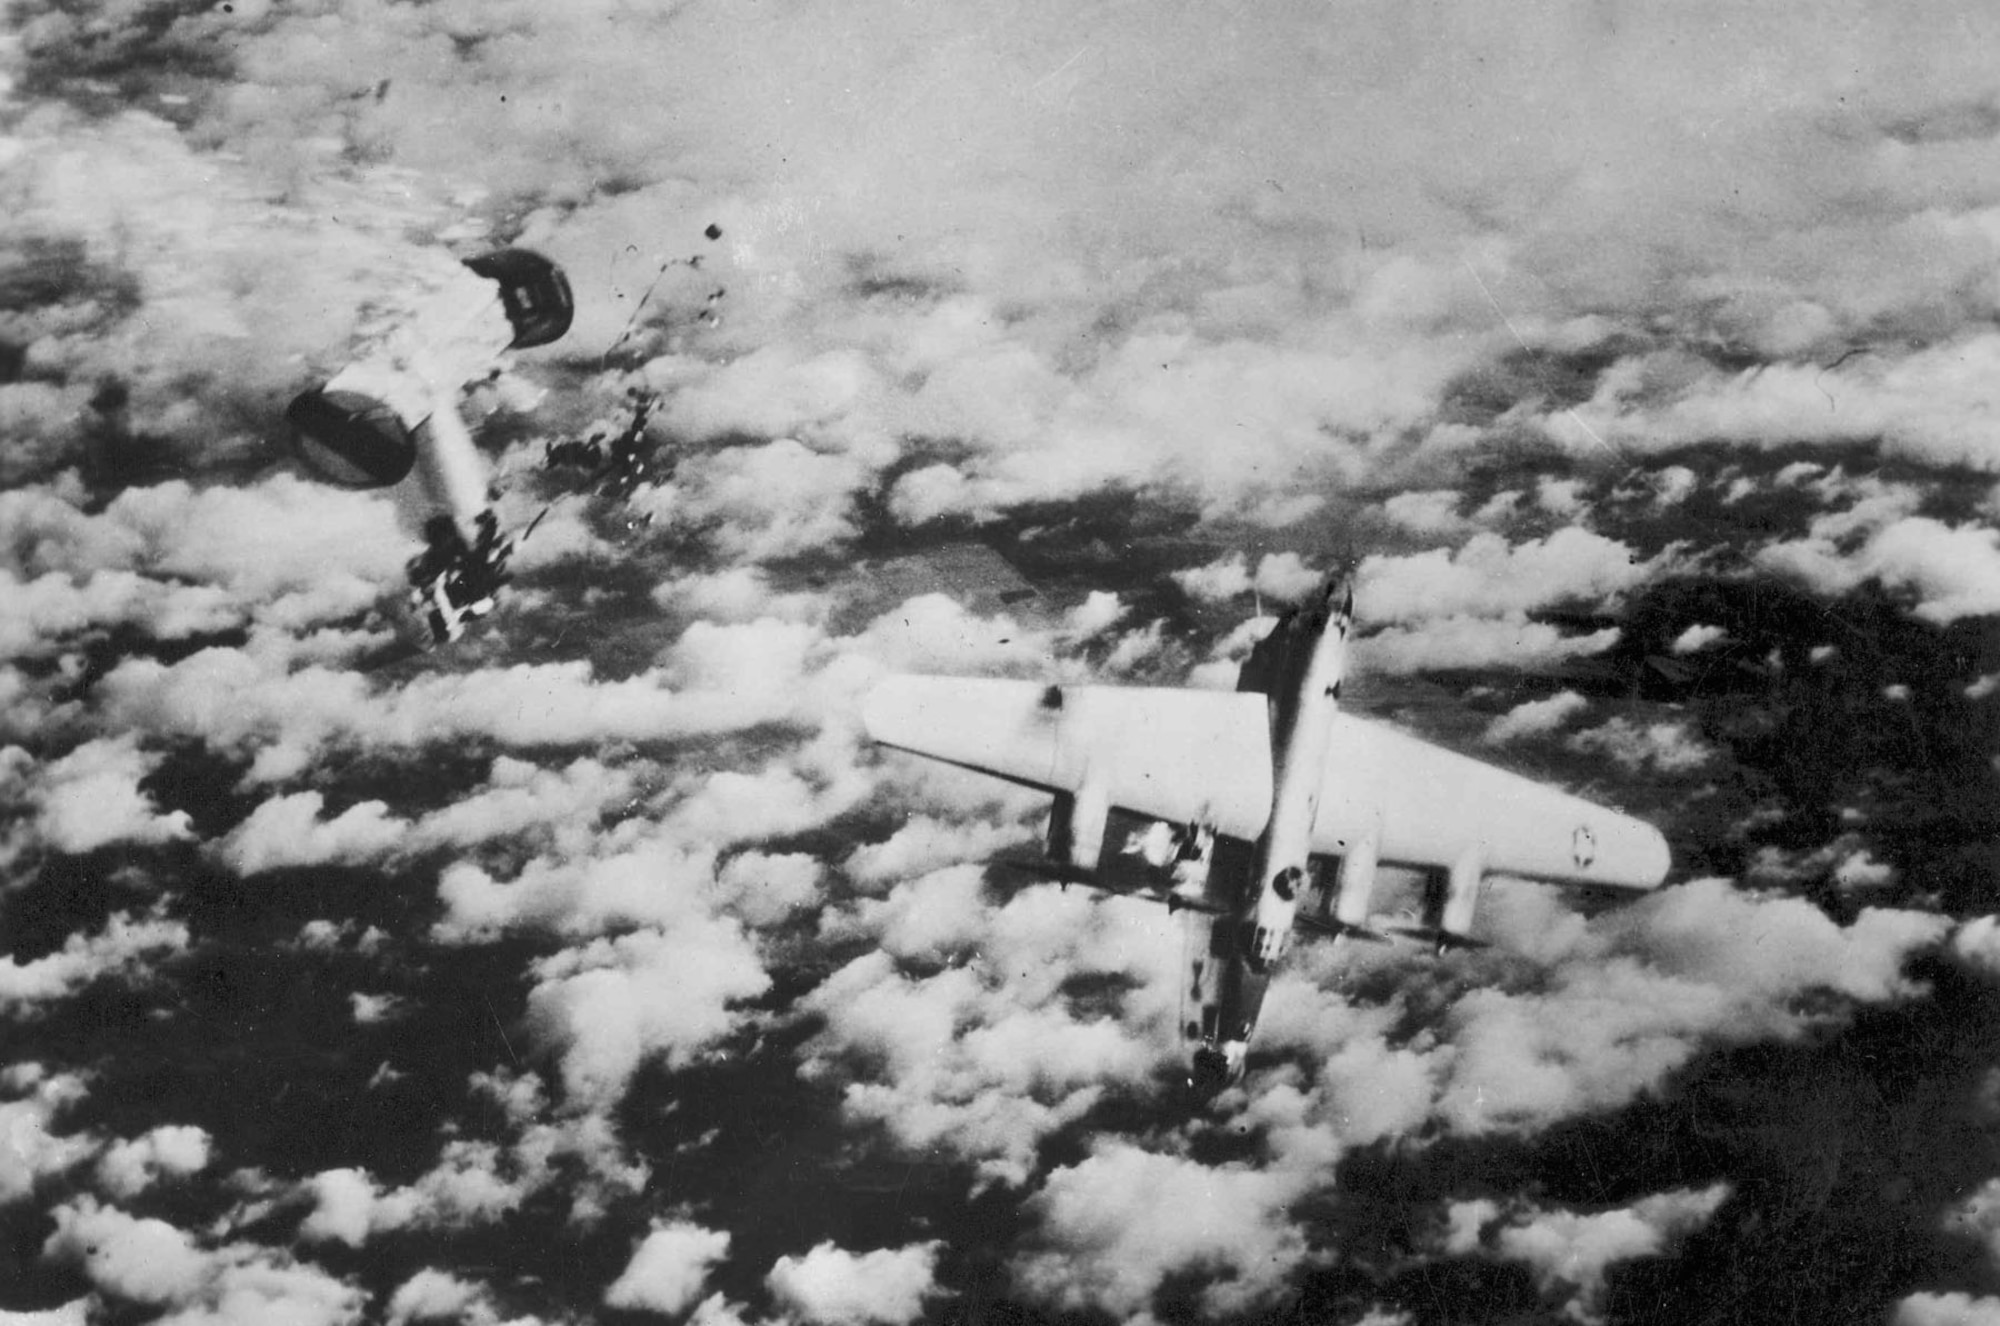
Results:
x,y
534,292
1077,823
351,440
1461,896
1357,885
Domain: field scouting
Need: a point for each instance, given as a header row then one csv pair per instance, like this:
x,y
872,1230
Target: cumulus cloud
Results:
x,y
1431,512
605,1008
1666,747
33,1151
778,500
127,1169
1476,642
1631,997
1954,570
924,843
126,946
1282,576
288,831
840,1288
989,1057
526,802
1562,1016
1534,718
151,1263
240,702
433,1295
1566,1248
1489,577
1947,1309
143,1260
1123,1219
1697,638
477,1183
91,798
669,1269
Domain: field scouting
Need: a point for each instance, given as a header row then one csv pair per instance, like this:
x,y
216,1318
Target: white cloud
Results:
x,y
1488,577
840,1288
1666,747
669,1269
989,1057
477,1183
343,1207
1954,570
1567,1248
143,1260
370,1009
1224,578
1977,944
123,948
1560,497
524,801
127,1169
1697,638
32,1152
1947,1309
288,831
73,1313
1476,642
764,888
1118,1222
1977,1214
1622,1002
1431,512
238,701
1534,718
734,594
91,798
1285,576
925,843
647,881
605,1008
780,499
433,1295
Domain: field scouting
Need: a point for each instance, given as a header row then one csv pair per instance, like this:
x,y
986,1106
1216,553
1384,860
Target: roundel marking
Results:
x,y
1583,847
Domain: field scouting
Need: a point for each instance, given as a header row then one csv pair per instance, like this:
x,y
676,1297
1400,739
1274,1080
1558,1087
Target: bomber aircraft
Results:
x,y
1251,793
390,419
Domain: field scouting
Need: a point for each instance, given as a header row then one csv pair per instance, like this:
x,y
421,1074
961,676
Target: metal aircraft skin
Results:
x,y
1248,791
390,419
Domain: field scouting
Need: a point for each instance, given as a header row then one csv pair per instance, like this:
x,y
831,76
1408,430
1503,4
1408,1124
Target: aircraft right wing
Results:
x,y
1429,807
1178,755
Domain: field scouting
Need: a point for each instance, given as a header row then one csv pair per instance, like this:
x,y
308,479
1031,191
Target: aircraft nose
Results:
x,y
1209,1073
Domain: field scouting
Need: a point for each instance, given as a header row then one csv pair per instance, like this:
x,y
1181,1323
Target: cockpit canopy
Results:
x,y
535,292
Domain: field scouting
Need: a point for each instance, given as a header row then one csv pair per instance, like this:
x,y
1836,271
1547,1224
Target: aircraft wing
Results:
x,y
1205,756
1171,754
1431,807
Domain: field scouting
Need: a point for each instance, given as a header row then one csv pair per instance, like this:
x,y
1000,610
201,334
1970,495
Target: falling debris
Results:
x,y
709,315
618,467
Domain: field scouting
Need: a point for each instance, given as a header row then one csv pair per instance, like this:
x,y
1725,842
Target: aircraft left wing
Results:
x,y
1185,756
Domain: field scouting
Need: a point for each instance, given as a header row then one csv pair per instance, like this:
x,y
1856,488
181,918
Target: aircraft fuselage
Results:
x,y
1298,668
